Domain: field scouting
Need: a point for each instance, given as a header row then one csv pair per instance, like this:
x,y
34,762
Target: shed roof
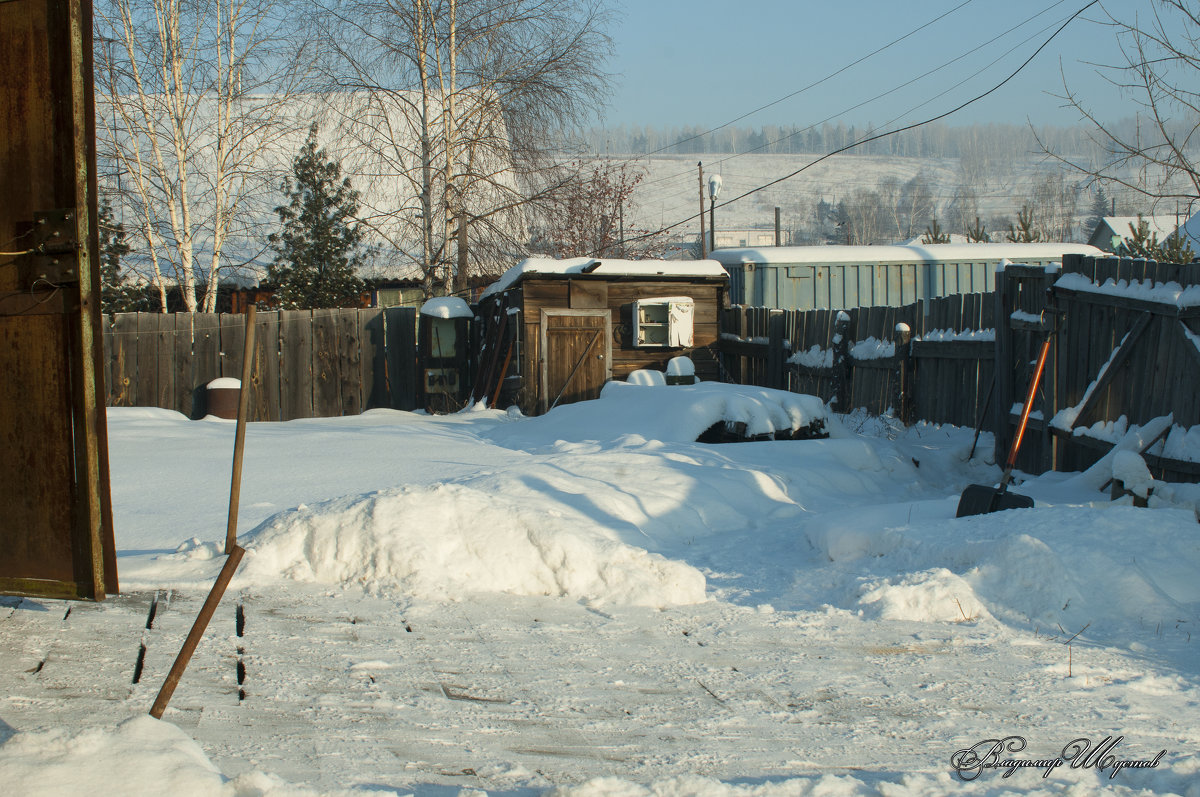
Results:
x,y
605,267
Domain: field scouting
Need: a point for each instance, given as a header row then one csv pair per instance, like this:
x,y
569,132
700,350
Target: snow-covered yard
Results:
x,y
591,603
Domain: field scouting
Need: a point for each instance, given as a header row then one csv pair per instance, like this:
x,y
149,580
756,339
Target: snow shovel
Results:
x,y
981,499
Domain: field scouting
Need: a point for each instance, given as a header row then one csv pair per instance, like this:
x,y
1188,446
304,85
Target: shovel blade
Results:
x,y
982,499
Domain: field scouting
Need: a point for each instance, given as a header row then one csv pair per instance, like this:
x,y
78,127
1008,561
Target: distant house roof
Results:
x,y
606,267
1120,226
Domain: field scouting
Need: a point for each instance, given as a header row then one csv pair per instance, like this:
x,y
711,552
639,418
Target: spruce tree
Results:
x,y
1025,232
115,295
934,234
1099,209
319,246
1142,242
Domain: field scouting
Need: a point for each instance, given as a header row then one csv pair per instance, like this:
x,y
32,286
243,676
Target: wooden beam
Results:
x,y
1114,364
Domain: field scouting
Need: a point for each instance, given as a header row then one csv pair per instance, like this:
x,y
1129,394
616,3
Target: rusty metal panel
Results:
x,y
56,529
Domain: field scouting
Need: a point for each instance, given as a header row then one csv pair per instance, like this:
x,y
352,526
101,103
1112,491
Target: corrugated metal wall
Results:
x,y
837,286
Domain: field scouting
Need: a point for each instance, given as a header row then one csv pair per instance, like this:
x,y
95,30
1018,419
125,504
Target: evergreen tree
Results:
x,y
978,234
1144,243
934,234
115,295
319,247
1099,209
1026,231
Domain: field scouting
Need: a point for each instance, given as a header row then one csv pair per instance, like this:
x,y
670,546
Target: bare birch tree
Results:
x,y
190,95
463,102
1155,156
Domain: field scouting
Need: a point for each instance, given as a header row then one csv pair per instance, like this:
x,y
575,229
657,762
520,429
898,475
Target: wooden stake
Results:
x,y
232,549
239,436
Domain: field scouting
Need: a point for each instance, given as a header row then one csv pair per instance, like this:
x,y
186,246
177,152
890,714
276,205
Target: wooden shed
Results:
x,y
554,331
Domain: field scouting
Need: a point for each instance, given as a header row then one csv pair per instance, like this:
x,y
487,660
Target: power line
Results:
x,y
878,136
880,96
828,77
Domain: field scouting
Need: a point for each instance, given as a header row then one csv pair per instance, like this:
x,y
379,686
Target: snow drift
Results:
x,y
450,540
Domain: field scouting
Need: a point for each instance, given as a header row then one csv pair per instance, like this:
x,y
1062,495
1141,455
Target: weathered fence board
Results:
x,y
296,364
123,383
307,363
265,404
947,381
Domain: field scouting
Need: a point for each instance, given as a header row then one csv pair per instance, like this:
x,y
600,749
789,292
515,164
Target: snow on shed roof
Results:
x,y
606,267
916,253
447,307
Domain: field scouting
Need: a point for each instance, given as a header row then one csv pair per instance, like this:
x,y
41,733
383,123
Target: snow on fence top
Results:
x,y
1147,290
605,267
908,253
447,307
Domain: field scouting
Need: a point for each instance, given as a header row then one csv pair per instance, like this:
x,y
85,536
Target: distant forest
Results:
x,y
986,141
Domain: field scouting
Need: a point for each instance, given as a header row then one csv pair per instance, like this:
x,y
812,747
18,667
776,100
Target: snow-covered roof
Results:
x,y
1162,226
447,307
606,267
915,253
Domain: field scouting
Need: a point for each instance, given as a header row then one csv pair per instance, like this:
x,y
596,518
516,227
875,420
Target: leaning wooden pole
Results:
x,y
232,549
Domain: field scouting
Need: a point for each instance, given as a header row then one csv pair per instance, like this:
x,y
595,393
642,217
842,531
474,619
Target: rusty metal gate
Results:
x,y
56,536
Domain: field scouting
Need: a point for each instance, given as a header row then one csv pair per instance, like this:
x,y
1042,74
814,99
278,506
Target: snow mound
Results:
x,y
931,596
673,414
448,540
140,756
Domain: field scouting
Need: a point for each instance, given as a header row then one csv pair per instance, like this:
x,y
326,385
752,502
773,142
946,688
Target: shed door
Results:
x,y
576,355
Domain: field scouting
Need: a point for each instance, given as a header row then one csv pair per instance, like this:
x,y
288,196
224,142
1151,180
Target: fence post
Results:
x,y
841,362
775,353
1003,368
902,382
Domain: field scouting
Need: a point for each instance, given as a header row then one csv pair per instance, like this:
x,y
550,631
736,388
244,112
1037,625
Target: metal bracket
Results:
x,y
55,246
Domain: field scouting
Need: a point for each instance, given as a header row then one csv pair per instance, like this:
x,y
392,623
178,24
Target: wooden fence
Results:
x,y
308,363
937,367
1125,351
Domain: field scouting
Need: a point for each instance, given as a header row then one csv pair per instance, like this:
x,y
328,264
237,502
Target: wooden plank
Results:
x,y
123,389
953,349
374,359
401,346
265,402
1003,367
349,361
587,294
295,364
206,356
1165,370
164,366
106,322
182,399
327,399
1118,360
233,344
146,377
34,396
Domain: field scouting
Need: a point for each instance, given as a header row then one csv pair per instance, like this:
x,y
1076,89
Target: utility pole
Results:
x,y
778,236
703,241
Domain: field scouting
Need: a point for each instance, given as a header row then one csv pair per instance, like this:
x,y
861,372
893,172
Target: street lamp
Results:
x,y
714,191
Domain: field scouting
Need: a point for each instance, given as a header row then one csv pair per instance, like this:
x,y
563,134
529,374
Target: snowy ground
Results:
x,y
588,603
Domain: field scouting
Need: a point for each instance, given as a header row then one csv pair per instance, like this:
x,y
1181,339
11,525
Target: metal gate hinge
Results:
x,y
55,246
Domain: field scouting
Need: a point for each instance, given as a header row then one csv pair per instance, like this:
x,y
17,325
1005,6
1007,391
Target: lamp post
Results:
x,y
714,191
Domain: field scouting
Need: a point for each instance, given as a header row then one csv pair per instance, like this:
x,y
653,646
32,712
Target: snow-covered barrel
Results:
x,y
221,397
681,371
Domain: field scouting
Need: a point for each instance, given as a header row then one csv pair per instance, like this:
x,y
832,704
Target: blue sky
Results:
x,y
704,63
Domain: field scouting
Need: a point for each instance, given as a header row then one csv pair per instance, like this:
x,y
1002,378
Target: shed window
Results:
x,y
665,322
